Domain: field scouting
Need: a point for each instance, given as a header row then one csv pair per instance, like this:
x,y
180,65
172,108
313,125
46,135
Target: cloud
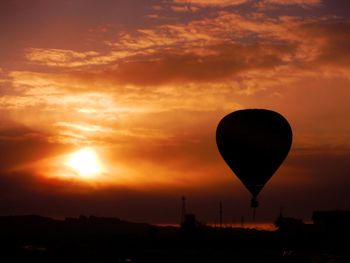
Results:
x,y
24,146
193,37
226,50
200,51
186,8
217,3
226,62
57,56
72,59
222,47
227,3
190,48
332,38
291,2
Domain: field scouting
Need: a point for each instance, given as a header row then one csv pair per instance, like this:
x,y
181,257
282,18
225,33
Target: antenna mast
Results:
x,y
183,209
220,214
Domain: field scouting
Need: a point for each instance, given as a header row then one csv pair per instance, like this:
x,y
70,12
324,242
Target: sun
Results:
x,y
85,163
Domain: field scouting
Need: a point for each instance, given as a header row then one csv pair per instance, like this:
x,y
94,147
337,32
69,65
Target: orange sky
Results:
x,y
144,84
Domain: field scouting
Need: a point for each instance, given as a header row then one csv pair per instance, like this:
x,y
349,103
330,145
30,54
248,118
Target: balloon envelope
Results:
x,y
254,143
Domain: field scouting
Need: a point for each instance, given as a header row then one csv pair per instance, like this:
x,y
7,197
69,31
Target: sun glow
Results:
x,y
85,163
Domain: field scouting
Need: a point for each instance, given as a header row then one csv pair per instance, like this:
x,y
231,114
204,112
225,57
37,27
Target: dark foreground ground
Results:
x,y
40,239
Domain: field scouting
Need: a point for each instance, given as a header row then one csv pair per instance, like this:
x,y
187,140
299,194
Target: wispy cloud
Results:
x,y
73,59
218,3
291,2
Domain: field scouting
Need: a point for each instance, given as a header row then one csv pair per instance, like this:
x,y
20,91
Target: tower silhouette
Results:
x,y
220,214
183,209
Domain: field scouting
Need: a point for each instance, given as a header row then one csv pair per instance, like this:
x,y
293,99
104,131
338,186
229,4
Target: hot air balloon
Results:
x,y
254,143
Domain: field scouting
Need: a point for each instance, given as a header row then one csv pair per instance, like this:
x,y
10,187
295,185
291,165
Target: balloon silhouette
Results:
x,y
254,143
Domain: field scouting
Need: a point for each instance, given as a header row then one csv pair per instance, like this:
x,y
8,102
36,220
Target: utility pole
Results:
x,y
183,209
220,214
